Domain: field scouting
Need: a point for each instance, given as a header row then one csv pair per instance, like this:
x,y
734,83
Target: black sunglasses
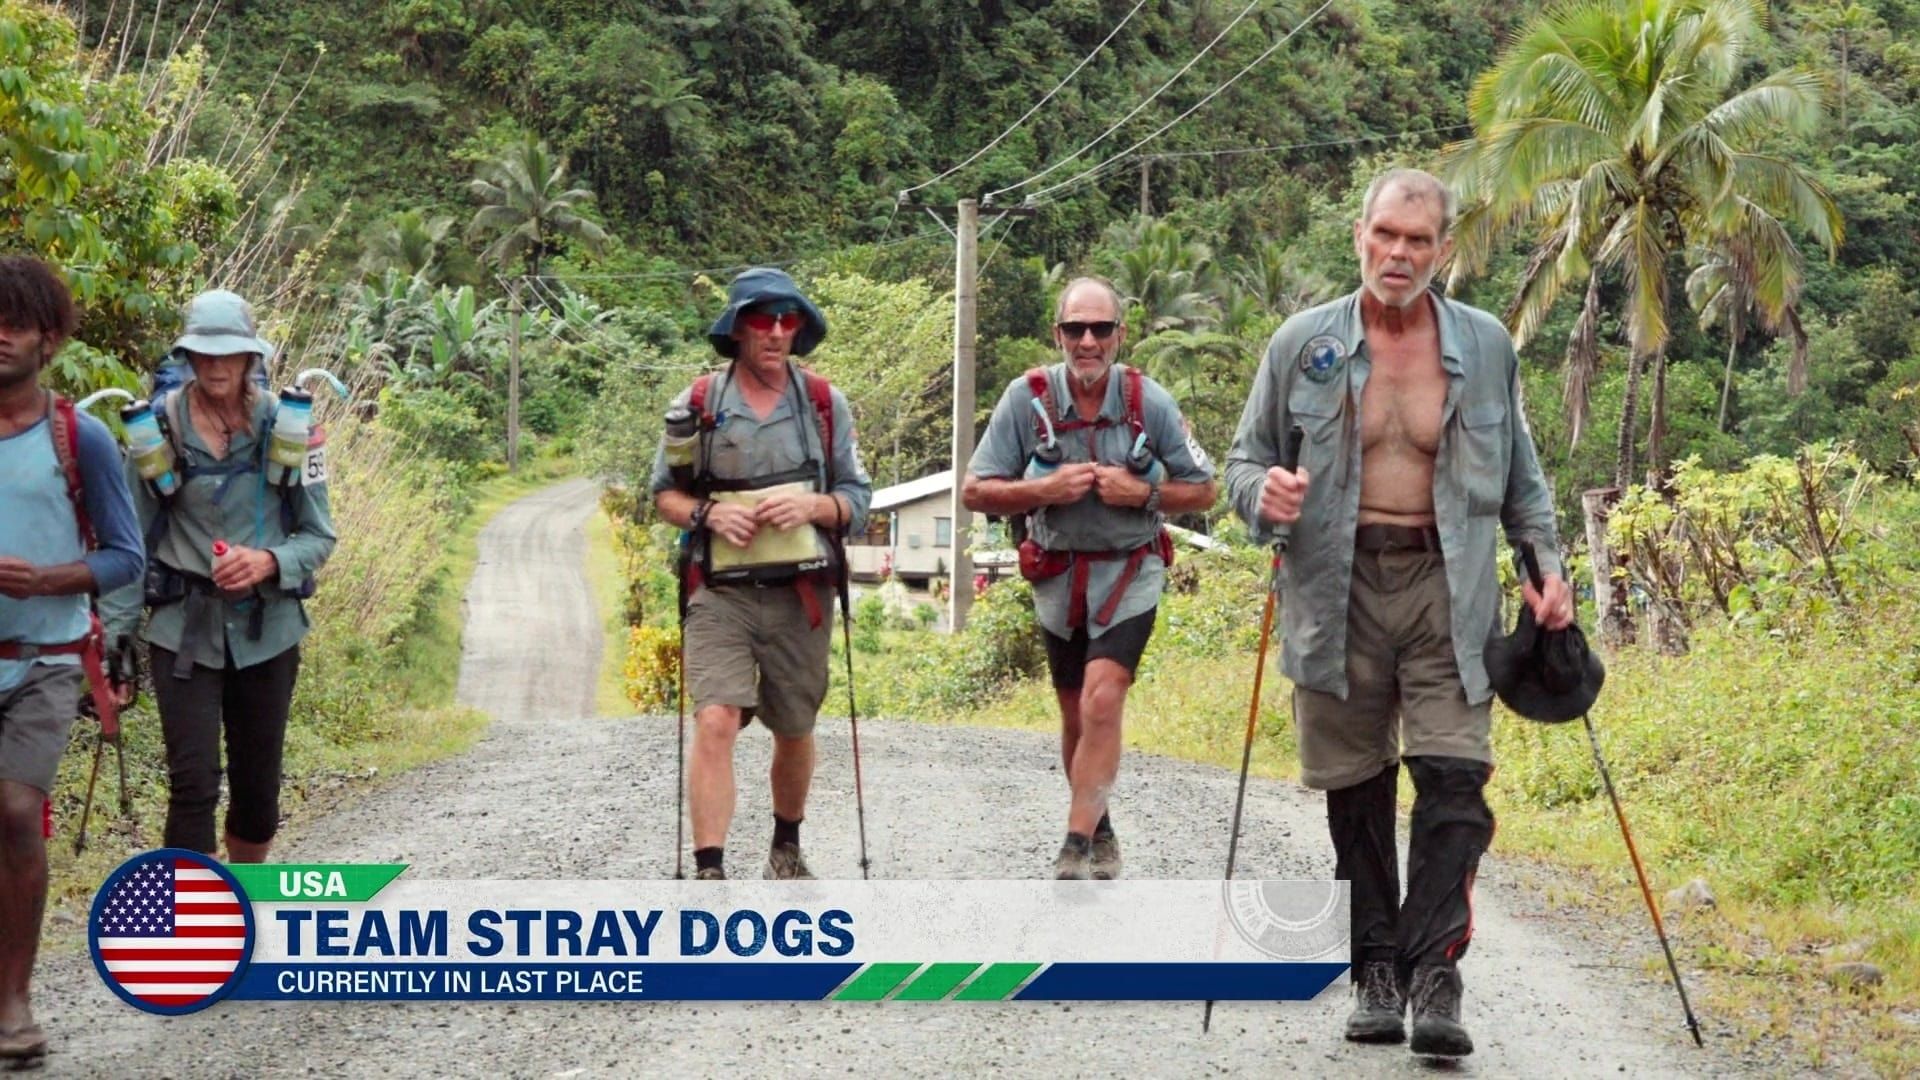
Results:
x,y
1101,330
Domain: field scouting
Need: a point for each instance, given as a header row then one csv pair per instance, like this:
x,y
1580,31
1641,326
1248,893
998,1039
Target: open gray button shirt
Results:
x,y
1486,476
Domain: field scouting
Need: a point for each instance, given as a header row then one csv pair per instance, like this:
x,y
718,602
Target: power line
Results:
x,y
1112,165
1217,91
1029,113
1135,111
686,275
1231,151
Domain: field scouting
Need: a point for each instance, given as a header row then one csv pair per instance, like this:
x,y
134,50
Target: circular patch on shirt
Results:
x,y
1322,358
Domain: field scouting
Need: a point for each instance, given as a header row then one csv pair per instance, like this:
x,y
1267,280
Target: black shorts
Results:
x,y
1123,643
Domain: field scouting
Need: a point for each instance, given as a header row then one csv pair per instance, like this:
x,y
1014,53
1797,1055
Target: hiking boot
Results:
x,y
1071,864
785,864
709,873
1377,1005
1435,997
1103,861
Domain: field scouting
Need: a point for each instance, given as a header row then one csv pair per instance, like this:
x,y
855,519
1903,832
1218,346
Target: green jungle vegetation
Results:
x,y
1697,216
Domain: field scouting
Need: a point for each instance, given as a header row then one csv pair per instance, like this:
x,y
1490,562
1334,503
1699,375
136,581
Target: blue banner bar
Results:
x,y
1180,982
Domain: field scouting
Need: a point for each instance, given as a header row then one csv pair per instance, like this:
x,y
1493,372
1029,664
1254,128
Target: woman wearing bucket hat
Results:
x,y
232,552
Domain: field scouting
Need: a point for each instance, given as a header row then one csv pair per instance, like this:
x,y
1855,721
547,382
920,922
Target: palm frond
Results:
x,y
1583,359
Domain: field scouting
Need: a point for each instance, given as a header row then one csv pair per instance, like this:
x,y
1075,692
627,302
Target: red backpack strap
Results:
x,y
64,424
820,392
697,397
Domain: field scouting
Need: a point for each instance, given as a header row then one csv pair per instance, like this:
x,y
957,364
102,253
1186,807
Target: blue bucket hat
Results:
x,y
220,323
762,285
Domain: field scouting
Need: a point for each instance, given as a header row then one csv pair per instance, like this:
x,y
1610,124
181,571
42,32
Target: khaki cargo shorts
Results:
x,y
1403,684
751,647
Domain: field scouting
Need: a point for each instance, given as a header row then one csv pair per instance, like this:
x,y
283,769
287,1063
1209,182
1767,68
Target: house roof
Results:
x,y
912,491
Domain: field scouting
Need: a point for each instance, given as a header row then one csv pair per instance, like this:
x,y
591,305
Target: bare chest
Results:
x,y
1406,394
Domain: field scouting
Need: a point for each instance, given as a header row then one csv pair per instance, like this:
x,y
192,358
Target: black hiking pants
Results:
x,y
249,706
1452,827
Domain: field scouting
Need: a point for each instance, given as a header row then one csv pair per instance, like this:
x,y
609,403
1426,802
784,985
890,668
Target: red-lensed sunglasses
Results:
x,y
763,321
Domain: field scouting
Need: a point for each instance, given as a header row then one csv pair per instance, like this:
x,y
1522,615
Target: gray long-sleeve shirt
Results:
x,y
745,447
1486,475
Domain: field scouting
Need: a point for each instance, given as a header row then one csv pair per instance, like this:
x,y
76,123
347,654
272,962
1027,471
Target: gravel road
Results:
x,y
552,792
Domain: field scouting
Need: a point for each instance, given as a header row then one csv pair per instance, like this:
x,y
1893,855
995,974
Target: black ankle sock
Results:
x,y
707,858
1105,827
1079,842
786,832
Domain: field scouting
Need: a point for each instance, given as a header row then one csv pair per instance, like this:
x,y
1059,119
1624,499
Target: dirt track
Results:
x,y
552,792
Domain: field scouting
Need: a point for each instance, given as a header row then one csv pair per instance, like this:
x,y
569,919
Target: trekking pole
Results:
x,y
680,707
1532,562
680,759
1287,461
86,808
853,716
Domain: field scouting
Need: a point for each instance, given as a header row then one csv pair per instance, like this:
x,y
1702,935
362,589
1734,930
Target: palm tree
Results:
x,y
1611,134
671,103
417,246
527,207
1170,280
1280,283
1847,23
1727,288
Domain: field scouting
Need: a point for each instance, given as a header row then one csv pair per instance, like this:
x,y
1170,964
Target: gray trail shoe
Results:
x,y
1377,1005
1071,864
711,873
1435,997
1103,861
785,864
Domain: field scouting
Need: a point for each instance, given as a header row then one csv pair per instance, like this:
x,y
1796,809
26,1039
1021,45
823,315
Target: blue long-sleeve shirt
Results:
x,y
39,526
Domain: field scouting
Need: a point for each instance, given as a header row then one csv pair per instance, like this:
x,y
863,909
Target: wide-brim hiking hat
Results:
x,y
1545,675
220,323
765,285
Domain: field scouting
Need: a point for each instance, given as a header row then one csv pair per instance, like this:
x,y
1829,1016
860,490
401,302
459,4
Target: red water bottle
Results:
x,y
220,553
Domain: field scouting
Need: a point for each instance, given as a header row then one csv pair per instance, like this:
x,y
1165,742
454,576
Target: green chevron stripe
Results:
x,y
875,981
996,982
936,982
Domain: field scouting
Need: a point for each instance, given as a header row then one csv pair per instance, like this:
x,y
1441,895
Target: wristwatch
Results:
x,y
1152,505
699,517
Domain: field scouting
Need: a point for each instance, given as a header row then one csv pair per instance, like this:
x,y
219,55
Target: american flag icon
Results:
x,y
170,932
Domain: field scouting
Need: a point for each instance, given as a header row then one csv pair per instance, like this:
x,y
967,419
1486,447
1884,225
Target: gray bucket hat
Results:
x,y
220,323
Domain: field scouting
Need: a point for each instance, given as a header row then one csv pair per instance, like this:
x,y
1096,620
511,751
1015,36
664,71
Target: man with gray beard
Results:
x,y
1416,451
1092,454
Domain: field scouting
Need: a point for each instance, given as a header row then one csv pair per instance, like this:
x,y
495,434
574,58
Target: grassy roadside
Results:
x,y
606,580
419,723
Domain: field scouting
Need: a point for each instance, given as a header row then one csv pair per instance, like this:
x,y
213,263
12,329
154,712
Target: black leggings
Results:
x,y
250,704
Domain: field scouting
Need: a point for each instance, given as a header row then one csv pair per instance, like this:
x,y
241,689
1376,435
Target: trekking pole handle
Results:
x,y
1289,460
1532,562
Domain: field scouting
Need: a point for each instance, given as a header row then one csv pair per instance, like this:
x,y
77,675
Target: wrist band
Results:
x,y
700,512
839,516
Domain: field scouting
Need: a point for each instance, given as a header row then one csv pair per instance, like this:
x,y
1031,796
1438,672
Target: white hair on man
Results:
x,y
1060,305
1414,184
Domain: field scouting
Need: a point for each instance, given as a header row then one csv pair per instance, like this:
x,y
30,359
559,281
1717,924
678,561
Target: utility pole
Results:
x,y
1146,203
513,375
966,293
